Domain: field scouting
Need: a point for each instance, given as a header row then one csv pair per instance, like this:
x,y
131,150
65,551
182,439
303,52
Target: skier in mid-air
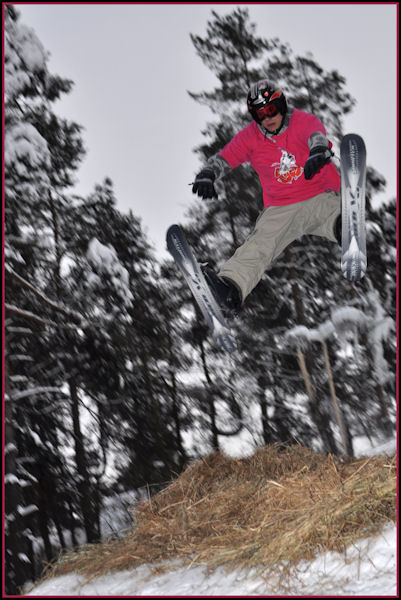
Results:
x,y
291,154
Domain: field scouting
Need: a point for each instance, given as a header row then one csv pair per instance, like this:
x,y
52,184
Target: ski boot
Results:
x,y
225,291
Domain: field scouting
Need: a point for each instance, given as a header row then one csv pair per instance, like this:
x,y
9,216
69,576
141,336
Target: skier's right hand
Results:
x,y
318,157
203,184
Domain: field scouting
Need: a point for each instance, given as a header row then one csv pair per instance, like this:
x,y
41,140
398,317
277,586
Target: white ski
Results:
x,y
353,176
181,252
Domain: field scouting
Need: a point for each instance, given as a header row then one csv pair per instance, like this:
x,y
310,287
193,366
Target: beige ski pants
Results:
x,y
275,228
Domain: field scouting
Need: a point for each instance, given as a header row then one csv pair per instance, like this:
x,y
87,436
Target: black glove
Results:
x,y
318,157
203,185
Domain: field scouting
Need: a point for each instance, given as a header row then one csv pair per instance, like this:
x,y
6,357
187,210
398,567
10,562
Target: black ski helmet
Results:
x,y
265,100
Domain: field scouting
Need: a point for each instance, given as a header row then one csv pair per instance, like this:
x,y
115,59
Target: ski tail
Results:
x,y
353,177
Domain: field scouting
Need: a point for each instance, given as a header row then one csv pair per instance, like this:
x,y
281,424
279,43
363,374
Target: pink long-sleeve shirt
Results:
x,y
279,161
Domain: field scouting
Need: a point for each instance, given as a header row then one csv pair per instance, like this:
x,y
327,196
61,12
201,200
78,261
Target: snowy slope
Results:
x,y
368,569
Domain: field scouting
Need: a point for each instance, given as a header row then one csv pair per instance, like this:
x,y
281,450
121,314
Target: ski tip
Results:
x,y
352,135
355,138
173,228
174,238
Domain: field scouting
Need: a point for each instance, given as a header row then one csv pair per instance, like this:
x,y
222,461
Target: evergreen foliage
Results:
x,y
93,399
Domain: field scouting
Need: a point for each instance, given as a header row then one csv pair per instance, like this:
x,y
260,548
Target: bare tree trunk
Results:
x,y
57,269
175,403
43,522
320,419
176,418
263,409
210,400
340,422
84,486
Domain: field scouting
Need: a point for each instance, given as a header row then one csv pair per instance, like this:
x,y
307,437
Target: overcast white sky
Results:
x,y
133,64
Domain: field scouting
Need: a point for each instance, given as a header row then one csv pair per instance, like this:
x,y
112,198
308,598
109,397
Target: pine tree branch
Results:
x,y
44,298
31,316
33,392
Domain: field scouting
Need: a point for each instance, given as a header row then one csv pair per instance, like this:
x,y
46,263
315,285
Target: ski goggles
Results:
x,y
270,110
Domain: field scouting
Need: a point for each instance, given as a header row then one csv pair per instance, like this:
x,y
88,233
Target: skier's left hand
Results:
x,y
318,157
203,185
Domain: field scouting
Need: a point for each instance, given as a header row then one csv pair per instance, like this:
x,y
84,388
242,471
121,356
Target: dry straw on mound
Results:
x,y
273,508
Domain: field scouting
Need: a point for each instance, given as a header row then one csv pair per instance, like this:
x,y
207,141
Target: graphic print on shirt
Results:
x,y
287,170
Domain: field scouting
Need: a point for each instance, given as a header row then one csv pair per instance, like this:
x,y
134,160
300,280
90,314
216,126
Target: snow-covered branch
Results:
x,y
29,315
376,326
34,392
45,299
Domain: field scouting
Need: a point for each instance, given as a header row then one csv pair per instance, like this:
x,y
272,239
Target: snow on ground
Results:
x,y
369,568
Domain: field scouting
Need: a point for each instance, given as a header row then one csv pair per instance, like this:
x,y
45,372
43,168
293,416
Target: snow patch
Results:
x,y
369,568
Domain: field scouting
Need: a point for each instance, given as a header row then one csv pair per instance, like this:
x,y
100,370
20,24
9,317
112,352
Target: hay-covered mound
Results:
x,y
277,506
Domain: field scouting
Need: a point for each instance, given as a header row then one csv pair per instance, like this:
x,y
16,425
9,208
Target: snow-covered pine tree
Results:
x,y
124,351
41,152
